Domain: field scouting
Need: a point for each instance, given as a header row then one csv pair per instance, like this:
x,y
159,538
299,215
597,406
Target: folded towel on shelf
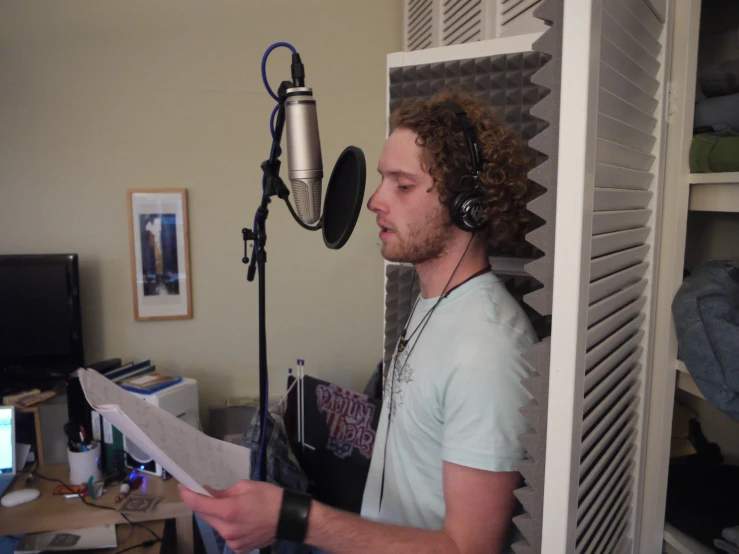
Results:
x,y
712,153
725,546
706,314
731,534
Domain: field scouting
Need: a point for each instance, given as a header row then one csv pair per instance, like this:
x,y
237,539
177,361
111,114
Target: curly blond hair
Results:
x,y
502,178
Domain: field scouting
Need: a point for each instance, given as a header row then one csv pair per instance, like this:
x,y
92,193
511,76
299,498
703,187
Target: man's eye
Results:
x,y
404,188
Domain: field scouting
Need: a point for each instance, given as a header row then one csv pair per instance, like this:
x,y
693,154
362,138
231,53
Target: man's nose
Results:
x,y
375,203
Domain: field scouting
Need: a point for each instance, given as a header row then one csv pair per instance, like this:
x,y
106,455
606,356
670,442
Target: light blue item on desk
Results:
x,y
7,447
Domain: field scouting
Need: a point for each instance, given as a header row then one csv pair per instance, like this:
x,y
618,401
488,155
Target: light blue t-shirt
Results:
x,y
455,396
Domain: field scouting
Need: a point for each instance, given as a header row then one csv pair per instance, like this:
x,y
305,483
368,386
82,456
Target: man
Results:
x,y
443,469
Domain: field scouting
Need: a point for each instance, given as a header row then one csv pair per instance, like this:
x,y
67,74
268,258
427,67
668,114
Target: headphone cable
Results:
x,y
421,326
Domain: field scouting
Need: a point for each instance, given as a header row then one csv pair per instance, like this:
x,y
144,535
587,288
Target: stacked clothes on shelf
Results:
x,y
702,488
715,144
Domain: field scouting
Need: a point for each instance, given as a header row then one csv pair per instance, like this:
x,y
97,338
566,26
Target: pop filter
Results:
x,y
344,196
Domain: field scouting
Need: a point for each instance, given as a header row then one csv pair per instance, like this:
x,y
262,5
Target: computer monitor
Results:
x,y
40,318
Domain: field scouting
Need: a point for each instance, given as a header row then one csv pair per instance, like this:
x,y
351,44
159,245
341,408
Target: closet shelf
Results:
x,y
677,542
685,381
714,192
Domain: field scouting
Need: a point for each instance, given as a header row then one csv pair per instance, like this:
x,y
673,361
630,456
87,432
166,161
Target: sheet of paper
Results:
x,y
190,456
21,455
69,539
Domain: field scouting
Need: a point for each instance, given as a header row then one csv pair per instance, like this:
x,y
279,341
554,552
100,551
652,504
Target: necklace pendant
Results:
x,y
402,343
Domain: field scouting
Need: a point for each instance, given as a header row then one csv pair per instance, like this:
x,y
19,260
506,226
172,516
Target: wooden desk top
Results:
x,y
50,513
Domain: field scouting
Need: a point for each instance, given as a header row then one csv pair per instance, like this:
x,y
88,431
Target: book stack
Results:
x,y
149,383
110,437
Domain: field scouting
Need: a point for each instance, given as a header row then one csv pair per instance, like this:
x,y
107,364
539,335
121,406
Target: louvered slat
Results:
x,y
461,21
597,458
615,153
605,265
627,68
616,525
643,15
625,16
607,409
616,131
628,353
619,535
620,448
606,306
604,409
606,243
608,285
607,222
605,328
627,90
593,499
628,44
618,199
612,176
618,481
419,24
611,105
617,510
601,351
512,9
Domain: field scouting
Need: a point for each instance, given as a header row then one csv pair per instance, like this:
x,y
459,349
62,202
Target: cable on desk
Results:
x,y
144,544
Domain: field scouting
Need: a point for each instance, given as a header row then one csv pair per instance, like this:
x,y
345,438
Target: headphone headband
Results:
x,y
469,134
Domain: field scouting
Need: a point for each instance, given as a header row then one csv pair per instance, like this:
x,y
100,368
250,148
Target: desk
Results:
x,y
50,513
138,536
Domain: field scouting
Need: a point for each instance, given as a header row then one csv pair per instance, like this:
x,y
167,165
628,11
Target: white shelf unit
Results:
x,y
685,382
683,194
714,192
677,542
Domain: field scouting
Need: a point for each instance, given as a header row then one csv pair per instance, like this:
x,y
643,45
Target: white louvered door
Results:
x,y
608,207
419,24
461,21
434,23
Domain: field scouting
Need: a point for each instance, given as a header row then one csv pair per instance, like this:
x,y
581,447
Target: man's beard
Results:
x,y
423,241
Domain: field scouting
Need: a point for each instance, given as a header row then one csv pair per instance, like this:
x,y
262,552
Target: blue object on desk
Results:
x,y
8,544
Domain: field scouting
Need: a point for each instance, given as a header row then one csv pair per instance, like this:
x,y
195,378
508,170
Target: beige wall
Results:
x,y
98,96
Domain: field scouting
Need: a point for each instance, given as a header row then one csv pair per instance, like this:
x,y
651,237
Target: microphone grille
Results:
x,y
307,200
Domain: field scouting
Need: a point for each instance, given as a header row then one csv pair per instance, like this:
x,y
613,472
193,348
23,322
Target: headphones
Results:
x,y
467,208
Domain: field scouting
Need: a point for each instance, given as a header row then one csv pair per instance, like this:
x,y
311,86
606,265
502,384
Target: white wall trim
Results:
x,y
491,47
681,75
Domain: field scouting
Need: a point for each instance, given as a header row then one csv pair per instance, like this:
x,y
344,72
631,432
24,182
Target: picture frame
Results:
x,y
160,254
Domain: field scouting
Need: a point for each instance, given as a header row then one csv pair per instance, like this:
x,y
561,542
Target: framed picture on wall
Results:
x,y
160,254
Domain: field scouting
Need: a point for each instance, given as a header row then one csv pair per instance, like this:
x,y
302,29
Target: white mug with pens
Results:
x,y
83,456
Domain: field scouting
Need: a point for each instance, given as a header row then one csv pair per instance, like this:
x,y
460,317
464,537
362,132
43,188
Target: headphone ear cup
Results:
x,y
467,211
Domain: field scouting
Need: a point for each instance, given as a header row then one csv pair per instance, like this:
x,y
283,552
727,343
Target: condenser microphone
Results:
x,y
304,162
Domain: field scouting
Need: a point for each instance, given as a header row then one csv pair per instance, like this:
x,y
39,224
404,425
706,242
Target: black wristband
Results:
x,y
293,523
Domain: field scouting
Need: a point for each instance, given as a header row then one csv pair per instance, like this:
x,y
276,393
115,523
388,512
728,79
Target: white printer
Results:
x,y
181,400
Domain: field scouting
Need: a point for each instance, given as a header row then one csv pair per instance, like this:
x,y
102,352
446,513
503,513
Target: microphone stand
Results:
x,y
273,186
